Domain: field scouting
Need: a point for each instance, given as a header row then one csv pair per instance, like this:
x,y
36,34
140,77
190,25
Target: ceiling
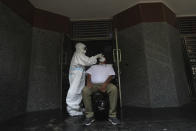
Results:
x,y
105,9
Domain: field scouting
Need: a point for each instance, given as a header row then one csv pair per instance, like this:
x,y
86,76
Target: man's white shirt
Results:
x,y
100,73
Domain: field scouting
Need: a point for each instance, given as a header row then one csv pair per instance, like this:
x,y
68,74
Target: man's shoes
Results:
x,y
89,121
114,120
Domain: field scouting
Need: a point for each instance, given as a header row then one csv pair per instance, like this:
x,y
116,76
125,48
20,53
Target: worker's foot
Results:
x,y
89,121
114,120
75,113
74,119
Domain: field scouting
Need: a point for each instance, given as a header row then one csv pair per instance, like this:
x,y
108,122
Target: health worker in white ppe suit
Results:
x,y
77,78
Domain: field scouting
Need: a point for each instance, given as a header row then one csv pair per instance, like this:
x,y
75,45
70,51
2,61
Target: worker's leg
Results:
x,y
111,89
74,95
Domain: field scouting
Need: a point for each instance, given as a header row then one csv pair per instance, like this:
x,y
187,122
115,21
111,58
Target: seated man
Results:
x,y
98,79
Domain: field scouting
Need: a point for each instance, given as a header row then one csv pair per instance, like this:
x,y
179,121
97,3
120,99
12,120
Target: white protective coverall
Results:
x,y
77,78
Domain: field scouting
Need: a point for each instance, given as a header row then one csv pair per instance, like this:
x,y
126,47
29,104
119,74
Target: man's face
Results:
x,y
102,60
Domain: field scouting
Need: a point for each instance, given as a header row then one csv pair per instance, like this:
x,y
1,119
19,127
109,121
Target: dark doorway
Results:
x,y
93,47
98,37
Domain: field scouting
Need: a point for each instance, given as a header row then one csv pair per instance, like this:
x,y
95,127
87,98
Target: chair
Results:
x,y
100,103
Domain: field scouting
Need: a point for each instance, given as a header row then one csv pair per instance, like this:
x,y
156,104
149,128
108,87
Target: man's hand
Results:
x,y
89,85
103,88
105,84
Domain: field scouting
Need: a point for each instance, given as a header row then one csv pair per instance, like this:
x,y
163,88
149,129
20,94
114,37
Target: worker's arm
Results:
x,y
89,83
105,84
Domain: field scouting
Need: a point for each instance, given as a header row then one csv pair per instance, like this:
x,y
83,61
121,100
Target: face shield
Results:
x,y
80,47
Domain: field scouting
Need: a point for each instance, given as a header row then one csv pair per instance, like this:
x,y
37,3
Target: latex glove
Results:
x,y
98,56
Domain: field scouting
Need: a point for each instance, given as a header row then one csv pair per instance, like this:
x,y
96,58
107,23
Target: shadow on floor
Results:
x,y
133,119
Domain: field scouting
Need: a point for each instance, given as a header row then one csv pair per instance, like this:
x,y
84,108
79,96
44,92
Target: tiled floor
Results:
x,y
133,119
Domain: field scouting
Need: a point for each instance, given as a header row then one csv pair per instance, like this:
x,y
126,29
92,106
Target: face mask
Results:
x,y
84,50
80,47
102,59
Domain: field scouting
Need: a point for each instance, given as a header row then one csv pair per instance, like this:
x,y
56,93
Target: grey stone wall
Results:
x,y
161,75
178,65
15,48
44,91
153,72
134,76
